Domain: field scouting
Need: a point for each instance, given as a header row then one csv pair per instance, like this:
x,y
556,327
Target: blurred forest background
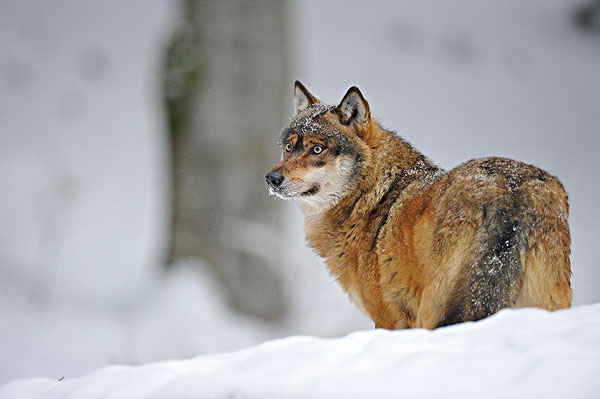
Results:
x,y
134,137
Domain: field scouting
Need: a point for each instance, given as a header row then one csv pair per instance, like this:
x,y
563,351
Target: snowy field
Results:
x,y
83,177
526,353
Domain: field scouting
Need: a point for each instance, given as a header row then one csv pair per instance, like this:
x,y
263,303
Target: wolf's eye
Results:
x,y
288,147
317,149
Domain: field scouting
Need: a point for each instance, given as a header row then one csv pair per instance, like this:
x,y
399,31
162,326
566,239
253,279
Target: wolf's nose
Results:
x,y
274,179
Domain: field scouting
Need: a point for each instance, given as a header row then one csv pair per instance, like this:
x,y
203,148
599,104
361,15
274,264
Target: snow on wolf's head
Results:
x,y
324,148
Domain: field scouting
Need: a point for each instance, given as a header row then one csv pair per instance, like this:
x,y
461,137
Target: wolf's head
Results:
x,y
324,150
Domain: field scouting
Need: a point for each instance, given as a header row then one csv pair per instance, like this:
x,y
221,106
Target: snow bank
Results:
x,y
179,315
516,353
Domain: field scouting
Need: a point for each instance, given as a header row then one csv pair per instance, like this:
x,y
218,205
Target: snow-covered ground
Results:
x,y
83,170
525,353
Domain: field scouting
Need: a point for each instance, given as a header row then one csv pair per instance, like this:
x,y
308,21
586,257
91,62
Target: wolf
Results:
x,y
414,245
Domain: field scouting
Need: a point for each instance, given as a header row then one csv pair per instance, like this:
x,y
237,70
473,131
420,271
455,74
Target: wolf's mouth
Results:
x,y
286,193
312,191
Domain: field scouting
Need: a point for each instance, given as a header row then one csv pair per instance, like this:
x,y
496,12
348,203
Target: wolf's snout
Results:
x,y
274,179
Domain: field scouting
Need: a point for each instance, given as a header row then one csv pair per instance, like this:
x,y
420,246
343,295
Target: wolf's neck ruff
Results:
x,y
412,244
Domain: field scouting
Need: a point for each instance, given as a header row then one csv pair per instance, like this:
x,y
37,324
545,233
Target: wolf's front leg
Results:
x,y
427,317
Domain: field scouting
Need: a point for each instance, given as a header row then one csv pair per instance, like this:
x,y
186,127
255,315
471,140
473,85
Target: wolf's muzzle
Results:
x,y
274,179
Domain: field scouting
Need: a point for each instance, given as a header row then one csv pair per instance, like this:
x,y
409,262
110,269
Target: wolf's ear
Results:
x,y
302,97
353,108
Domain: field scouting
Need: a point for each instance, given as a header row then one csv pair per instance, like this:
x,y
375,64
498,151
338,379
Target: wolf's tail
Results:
x,y
491,276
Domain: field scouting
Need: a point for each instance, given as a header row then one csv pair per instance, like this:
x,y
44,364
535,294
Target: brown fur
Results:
x,y
411,244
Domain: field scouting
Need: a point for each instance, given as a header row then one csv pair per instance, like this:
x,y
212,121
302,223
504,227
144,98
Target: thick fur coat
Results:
x,y
411,244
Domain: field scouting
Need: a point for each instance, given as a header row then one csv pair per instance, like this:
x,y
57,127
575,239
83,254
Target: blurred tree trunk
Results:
x,y
224,87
